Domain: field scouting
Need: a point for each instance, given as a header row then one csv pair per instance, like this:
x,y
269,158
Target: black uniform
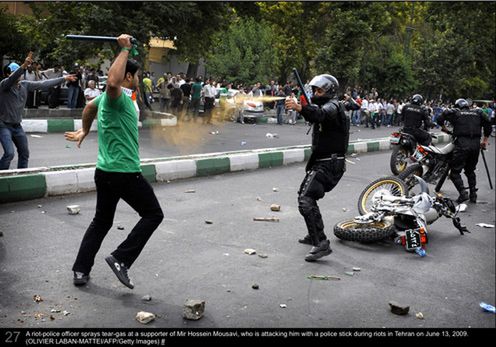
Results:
x,y
413,116
326,165
467,126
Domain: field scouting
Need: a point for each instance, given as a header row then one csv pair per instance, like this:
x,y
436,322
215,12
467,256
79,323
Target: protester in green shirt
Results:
x,y
196,90
118,173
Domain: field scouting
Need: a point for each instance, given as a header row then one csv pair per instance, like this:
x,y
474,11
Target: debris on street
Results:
x,y
356,269
243,143
259,198
66,313
487,307
190,191
37,298
275,189
250,251
283,306
120,227
484,225
36,136
193,309
351,162
349,273
419,315
53,310
209,222
399,309
263,256
266,219
324,277
73,209
144,317
461,208
275,207
146,298
255,286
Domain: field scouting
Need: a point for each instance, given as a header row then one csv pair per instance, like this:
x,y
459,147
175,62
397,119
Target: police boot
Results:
x,y
473,195
463,196
307,240
319,251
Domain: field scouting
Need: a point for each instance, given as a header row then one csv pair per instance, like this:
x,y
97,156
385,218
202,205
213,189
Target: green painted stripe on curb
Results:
x,y
214,166
351,148
60,125
372,146
148,123
149,172
19,188
262,120
308,153
270,159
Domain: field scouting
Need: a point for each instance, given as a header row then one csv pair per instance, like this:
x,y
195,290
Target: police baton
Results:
x,y
302,88
300,84
487,169
96,38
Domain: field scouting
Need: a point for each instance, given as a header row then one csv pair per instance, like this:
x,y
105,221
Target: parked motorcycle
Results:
x,y
403,218
431,163
403,147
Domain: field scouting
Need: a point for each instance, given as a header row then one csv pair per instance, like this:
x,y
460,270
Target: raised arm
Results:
x,y
117,71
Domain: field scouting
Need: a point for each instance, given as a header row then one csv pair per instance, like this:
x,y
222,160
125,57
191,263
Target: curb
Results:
x,y
68,124
27,184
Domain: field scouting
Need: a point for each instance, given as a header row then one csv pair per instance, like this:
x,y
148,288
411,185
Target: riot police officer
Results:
x,y
467,124
326,165
414,114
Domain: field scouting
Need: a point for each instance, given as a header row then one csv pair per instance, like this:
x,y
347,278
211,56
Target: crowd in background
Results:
x,y
185,97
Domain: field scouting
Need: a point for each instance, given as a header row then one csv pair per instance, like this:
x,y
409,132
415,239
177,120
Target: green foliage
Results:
x,y
244,53
434,48
13,43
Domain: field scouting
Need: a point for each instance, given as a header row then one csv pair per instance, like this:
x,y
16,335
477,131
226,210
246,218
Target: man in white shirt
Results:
x,y
364,109
209,100
372,113
91,92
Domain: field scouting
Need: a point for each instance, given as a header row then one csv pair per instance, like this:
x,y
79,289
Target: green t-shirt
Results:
x,y
118,149
196,89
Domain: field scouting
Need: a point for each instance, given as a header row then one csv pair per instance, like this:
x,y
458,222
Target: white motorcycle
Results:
x,y
405,219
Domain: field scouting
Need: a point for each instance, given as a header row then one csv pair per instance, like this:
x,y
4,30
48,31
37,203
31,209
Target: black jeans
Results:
x,y
321,178
110,188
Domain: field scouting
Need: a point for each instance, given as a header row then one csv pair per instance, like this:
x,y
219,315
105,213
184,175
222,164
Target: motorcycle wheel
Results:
x,y
392,184
398,163
408,175
349,230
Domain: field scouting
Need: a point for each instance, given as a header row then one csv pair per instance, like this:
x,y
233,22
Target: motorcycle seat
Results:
x,y
443,150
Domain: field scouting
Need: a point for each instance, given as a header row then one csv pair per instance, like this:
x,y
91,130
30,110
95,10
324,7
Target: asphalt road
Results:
x,y
189,259
51,148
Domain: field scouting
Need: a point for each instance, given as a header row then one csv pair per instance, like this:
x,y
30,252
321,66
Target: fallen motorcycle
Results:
x,y
431,163
405,219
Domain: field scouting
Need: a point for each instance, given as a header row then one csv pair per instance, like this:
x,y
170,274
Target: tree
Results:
x,y
244,53
13,43
189,24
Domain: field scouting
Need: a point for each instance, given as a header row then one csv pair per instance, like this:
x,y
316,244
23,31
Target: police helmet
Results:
x,y
461,103
417,99
328,83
